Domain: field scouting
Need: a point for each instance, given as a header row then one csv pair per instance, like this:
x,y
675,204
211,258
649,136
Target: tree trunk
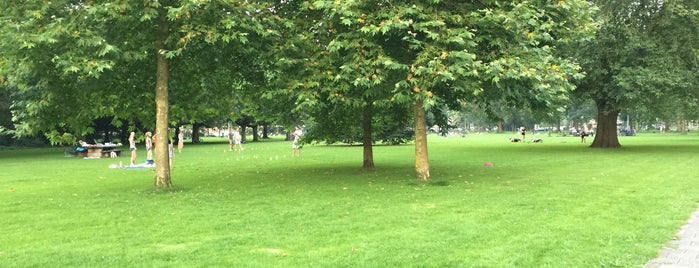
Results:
x,y
558,126
162,155
682,126
606,135
367,114
265,131
666,126
196,136
255,135
422,164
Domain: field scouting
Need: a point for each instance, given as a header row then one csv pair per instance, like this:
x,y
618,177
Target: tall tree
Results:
x,y
103,52
421,53
644,54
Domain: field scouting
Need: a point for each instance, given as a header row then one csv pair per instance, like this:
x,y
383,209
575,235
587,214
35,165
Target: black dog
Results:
x,y
515,140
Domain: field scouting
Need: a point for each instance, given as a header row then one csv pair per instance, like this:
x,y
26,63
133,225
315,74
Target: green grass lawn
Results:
x,y
552,204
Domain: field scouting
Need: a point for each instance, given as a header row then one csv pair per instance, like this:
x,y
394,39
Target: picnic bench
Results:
x,y
100,150
107,153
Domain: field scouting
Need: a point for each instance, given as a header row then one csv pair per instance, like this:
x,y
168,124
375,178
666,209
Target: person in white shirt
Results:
x,y
296,146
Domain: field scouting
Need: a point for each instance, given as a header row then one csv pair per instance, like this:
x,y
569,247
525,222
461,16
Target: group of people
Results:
x,y
583,134
235,141
150,141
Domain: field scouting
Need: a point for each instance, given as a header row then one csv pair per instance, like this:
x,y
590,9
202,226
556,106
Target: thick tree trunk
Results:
x,y
162,155
422,164
367,114
243,135
196,136
255,136
558,126
265,131
606,135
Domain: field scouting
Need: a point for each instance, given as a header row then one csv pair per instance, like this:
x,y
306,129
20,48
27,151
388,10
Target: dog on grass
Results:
x,y
537,140
113,154
515,140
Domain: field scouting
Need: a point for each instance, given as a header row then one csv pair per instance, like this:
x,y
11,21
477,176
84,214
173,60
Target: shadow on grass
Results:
x,y
440,183
332,175
574,148
167,191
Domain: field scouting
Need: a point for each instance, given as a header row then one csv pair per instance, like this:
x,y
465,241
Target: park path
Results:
x,y
682,252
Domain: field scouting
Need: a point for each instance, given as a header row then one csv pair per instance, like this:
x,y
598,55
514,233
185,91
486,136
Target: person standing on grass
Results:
x,y
523,132
230,139
296,146
180,141
155,139
170,151
149,147
132,147
237,140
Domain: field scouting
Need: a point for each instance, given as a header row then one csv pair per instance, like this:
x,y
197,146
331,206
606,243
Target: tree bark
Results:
x,y
682,126
196,136
162,155
367,115
265,131
255,136
422,164
243,135
606,135
558,126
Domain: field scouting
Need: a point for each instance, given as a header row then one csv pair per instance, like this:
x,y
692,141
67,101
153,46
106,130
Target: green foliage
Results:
x,y
340,123
643,56
643,59
75,62
57,138
440,52
289,50
262,208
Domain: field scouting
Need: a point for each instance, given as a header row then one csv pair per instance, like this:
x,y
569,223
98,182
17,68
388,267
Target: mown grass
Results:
x,y
555,204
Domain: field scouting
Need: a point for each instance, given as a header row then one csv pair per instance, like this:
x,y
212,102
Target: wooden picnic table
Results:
x,y
101,150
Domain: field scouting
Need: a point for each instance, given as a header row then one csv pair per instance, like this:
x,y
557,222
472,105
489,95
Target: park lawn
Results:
x,y
552,204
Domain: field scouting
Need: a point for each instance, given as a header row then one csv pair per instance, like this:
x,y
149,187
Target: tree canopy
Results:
x,y
644,56
343,63
74,61
425,53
